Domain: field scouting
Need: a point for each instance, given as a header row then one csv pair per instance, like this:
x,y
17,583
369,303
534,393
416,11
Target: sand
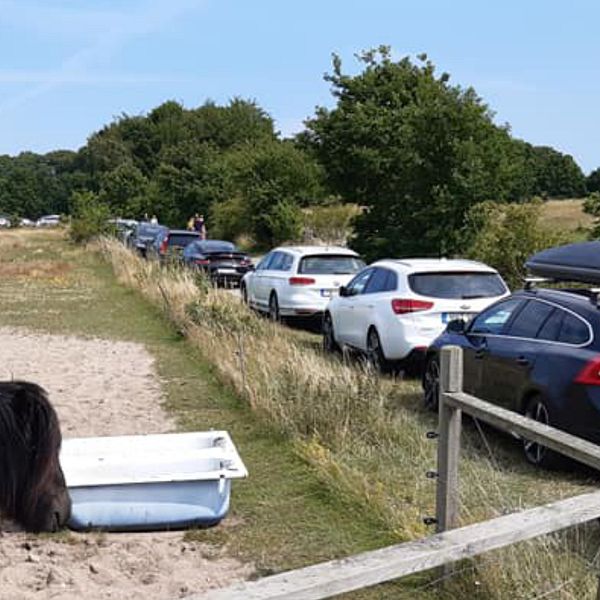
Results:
x,y
100,387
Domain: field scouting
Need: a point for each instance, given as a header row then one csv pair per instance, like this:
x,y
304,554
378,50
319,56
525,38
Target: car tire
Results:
x,y
329,344
431,383
274,308
536,454
375,355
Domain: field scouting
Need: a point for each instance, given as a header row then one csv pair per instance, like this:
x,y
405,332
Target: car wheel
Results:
x,y
375,354
274,308
329,343
431,383
535,453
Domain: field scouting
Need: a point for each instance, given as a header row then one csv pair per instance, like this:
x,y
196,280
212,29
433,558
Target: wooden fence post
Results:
x,y
447,497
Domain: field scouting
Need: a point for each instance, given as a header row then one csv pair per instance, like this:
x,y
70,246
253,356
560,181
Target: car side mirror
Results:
x,y
343,290
457,326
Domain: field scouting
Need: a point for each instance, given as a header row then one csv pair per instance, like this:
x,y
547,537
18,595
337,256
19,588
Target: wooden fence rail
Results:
x,y
450,543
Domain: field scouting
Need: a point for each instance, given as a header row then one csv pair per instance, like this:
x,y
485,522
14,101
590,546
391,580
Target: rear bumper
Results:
x,y
402,340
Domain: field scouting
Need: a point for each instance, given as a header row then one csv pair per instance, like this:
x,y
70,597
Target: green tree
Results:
x,y
274,179
556,175
90,217
412,149
593,181
123,190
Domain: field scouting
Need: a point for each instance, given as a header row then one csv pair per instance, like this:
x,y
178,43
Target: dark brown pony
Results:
x,y
32,485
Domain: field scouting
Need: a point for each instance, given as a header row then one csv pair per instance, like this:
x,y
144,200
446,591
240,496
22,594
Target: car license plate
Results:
x,y
227,270
329,293
451,316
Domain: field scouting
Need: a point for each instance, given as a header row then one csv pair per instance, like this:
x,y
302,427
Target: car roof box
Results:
x,y
573,262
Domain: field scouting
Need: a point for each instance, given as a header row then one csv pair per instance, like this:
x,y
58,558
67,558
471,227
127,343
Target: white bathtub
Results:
x,y
147,482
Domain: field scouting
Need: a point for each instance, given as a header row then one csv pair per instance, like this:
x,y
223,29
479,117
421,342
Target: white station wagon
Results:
x,y
298,281
393,309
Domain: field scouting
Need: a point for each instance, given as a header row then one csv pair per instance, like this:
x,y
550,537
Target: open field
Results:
x,y
566,215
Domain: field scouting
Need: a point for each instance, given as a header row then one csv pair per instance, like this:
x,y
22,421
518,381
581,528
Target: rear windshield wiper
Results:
x,y
473,296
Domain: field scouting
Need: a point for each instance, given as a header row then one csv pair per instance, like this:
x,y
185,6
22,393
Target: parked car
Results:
x,y
143,236
393,309
536,352
24,222
170,243
298,281
124,228
222,261
48,221
4,221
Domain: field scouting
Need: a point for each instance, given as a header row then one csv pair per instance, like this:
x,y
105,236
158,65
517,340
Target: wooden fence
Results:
x,y
449,544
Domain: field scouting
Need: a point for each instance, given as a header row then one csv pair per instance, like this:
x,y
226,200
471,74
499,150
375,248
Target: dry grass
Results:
x,y
565,215
365,437
36,269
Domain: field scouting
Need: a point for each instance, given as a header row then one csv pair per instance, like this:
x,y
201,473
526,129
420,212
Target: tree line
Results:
x,y
413,150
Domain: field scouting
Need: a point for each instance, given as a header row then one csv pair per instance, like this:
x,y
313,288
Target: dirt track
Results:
x,y
100,387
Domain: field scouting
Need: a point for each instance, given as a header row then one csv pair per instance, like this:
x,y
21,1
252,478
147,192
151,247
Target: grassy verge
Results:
x,y
365,437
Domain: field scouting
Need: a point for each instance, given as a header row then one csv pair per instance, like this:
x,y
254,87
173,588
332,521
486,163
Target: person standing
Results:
x,y
200,226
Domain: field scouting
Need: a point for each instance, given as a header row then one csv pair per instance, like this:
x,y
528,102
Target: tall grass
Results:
x,y
365,437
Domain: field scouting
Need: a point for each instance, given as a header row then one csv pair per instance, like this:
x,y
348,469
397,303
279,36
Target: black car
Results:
x,y
536,352
171,243
222,261
143,236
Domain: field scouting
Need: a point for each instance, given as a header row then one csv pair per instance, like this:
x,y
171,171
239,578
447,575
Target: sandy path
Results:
x,y
100,387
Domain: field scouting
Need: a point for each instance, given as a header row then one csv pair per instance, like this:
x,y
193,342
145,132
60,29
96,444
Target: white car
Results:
x,y
298,281
48,221
393,309
4,221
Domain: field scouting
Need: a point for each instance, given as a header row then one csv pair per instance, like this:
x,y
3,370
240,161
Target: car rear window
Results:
x,y
573,330
457,285
217,247
330,264
182,239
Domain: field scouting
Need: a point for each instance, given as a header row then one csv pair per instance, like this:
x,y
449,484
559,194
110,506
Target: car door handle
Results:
x,y
523,361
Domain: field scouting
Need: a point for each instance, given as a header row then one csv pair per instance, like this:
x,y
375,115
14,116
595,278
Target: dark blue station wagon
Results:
x,y
536,352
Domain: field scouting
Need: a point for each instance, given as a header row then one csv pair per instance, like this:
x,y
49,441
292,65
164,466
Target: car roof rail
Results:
x,y
530,283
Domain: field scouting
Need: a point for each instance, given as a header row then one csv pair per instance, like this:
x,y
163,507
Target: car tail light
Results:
x,y
202,261
164,245
590,374
301,280
403,306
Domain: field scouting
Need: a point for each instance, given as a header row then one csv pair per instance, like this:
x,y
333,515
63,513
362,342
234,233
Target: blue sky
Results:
x,y
67,67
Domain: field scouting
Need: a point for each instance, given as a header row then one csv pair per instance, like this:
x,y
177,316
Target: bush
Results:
x,y
591,206
505,235
283,222
330,224
90,217
229,219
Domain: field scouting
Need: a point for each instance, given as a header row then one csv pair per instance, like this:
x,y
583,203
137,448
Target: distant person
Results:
x,y
200,226
154,220
190,224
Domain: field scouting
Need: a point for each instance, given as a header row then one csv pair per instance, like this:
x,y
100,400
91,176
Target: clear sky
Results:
x,y
67,67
